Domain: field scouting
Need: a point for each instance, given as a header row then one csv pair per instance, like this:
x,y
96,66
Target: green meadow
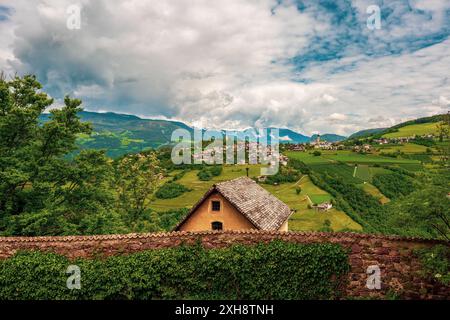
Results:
x,y
414,129
308,158
373,191
303,218
362,172
191,180
353,157
409,148
329,157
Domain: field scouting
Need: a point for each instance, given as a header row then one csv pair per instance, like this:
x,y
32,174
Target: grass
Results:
x,y
343,170
308,158
305,218
414,129
373,191
411,166
311,189
362,172
353,157
409,148
311,219
378,170
349,157
190,180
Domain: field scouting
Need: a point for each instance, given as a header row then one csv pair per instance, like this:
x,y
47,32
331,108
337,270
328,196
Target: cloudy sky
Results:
x,y
313,66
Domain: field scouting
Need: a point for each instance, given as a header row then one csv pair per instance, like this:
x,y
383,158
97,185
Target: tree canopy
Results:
x,y
44,192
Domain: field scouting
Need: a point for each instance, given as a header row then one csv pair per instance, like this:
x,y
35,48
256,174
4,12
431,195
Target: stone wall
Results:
x,y
400,269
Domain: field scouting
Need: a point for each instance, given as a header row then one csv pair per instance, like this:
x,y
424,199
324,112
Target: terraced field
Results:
x,y
343,170
350,173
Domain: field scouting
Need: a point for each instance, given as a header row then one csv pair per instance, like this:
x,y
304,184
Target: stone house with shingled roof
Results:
x,y
238,204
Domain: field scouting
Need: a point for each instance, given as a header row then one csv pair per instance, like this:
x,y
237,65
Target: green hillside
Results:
x,y
120,134
420,126
330,137
366,132
414,129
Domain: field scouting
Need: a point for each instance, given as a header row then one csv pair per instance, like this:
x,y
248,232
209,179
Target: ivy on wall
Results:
x,y
436,263
278,270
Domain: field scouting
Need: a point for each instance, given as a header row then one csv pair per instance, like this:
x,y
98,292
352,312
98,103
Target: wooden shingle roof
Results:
x,y
260,207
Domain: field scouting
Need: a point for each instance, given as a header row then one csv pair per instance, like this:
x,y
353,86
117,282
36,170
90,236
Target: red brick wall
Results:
x,y
394,255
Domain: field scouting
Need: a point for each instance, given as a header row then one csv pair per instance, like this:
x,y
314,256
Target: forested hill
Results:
x,y
330,137
121,133
366,132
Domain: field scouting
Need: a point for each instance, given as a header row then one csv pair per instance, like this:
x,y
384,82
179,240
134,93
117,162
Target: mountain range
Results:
x,y
121,133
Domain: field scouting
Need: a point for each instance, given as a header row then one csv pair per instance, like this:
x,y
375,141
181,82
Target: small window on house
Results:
x,y
216,225
215,205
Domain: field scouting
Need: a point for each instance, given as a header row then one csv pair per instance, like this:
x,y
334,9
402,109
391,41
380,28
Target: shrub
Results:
x,y
208,172
204,175
169,219
278,270
299,166
326,227
317,153
284,175
179,175
216,170
171,190
436,263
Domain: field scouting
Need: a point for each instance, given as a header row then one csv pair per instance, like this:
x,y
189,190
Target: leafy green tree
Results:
x,y
137,176
171,190
444,134
444,127
41,192
425,212
78,200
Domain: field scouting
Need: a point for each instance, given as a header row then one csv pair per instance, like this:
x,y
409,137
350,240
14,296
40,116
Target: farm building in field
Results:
x,y
238,204
323,206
